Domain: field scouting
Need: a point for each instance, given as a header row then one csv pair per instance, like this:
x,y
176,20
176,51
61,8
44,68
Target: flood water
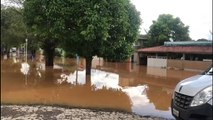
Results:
x,y
123,86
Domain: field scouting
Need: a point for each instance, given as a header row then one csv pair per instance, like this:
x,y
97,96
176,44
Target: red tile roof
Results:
x,y
178,49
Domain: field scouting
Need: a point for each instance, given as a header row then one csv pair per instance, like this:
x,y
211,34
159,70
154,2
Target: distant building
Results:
x,y
141,43
177,54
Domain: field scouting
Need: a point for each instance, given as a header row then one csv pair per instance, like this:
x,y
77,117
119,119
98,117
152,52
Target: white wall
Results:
x,y
135,57
157,62
156,72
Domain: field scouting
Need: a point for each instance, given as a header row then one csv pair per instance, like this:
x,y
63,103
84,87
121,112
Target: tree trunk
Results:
x,y
49,76
88,70
88,80
7,52
88,65
49,50
49,57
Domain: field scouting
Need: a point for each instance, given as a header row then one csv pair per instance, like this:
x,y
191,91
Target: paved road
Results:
x,y
18,112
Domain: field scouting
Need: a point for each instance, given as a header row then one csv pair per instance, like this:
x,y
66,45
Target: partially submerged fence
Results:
x,y
178,64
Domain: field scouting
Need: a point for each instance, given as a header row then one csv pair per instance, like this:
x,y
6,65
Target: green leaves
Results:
x,y
13,30
86,27
124,30
167,28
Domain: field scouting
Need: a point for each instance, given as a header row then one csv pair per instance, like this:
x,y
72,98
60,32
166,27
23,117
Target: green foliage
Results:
x,y
106,28
86,27
123,34
167,28
44,18
13,29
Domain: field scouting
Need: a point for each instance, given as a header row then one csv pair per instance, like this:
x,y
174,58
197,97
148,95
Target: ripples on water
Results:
x,y
124,86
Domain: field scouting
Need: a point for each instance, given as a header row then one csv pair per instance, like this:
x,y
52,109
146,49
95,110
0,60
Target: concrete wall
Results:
x,y
176,64
156,72
157,62
135,59
187,64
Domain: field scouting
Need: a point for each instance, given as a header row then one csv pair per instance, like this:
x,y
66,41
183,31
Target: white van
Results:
x,y
192,98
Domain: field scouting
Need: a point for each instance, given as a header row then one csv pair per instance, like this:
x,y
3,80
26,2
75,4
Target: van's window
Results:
x,y
210,72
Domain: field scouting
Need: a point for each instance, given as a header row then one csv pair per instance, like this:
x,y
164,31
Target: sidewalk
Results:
x,y
17,112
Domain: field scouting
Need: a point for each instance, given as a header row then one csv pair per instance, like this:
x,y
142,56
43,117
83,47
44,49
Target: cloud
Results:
x,y
197,14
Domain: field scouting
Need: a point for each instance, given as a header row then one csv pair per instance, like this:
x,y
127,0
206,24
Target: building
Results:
x,y
141,43
181,55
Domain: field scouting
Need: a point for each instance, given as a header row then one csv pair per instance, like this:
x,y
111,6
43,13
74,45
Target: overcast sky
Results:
x,y
197,14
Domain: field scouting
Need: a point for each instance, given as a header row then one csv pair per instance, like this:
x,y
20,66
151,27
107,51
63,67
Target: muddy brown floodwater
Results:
x,y
123,86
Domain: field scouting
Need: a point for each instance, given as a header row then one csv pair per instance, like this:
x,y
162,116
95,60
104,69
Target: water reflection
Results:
x,y
122,86
99,79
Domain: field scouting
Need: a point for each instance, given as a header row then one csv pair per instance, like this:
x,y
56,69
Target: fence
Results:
x,y
178,64
187,64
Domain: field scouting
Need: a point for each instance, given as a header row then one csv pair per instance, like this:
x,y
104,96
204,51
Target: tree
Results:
x,y
101,28
167,28
202,39
39,16
130,35
84,27
13,30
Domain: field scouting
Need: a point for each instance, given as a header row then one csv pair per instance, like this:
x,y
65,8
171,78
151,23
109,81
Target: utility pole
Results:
x,y
77,61
26,49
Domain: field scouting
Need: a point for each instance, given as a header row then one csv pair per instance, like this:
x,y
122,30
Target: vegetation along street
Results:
x,y
96,59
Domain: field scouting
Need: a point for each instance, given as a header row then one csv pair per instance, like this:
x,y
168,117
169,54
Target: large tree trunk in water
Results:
x,y
49,50
49,57
7,52
88,65
88,69
88,80
49,76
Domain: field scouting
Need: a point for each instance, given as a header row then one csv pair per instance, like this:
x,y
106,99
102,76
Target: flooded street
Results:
x,y
122,86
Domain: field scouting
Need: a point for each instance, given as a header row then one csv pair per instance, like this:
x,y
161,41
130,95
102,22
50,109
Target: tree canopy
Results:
x,y
167,28
13,30
85,27
104,28
124,38
45,22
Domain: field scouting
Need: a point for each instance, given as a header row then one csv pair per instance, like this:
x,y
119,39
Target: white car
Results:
x,y
192,98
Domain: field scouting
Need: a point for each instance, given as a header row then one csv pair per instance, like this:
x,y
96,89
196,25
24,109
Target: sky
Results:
x,y
197,14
